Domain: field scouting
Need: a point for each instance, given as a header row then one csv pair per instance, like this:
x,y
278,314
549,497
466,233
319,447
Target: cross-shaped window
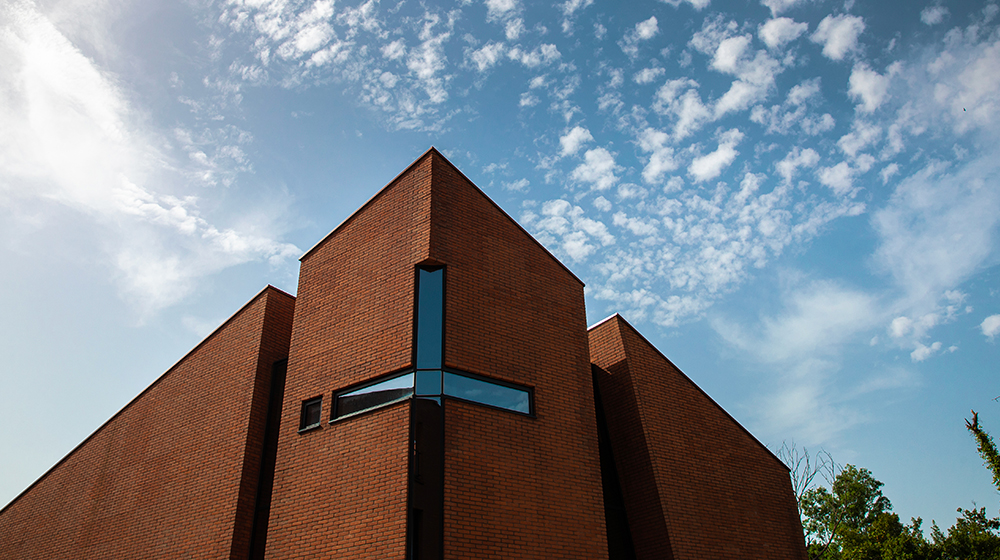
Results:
x,y
429,379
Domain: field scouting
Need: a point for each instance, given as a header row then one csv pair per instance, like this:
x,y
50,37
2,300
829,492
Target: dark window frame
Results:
x,y
492,380
367,383
303,427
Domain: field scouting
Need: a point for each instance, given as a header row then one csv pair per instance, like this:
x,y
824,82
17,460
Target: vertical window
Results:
x,y
430,330
312,409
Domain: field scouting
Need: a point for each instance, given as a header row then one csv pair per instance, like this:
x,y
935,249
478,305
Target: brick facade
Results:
x,y
514,313
173,475
696,484
427,477
340,491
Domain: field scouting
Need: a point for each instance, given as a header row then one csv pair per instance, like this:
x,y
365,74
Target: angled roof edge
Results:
x,y
430,151
505,214
368,202
689,380
602,321
148,388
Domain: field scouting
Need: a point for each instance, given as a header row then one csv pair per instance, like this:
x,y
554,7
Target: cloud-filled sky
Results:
x,y
797,201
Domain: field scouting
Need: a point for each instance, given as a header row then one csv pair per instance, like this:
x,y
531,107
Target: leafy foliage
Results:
x,y
854,521
987,449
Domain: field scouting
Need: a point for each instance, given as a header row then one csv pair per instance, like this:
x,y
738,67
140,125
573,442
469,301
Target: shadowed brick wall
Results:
x,y
174,473
515,487
340,490
721,493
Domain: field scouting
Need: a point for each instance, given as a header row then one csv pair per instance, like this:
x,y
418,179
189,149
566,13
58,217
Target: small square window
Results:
x,y
312,410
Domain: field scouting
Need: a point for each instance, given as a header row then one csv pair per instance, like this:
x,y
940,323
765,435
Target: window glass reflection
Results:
x,y
430,316
428,382
484,392
365,398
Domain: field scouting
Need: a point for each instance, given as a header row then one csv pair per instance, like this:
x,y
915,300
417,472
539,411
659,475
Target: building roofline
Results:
x,y
148,388
508,216
689,380
430,151
366,204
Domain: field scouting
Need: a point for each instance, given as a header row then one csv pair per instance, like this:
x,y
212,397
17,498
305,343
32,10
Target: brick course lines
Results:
x,y
168,476
723,494
340,490
515,487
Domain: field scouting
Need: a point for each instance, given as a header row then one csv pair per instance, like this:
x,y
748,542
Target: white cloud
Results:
x,y
71,138
797,111
570,7
648,75
394,50
778,32
862,135
838,35
427,62
565,228
795,159
500,9
933,15
631,190
540,56
598,169
729,53
990,326
779,6
819,317
643,31
514,28
661,159
922,351
711,165
756,79
840,178
602,204
939,227
869,87
888,172
646,29
487,56
573,140
799,346
680,99
696,4
520,185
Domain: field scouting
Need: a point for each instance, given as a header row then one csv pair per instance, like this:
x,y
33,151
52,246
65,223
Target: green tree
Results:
x,y
987,449
973,537
854,521
851,507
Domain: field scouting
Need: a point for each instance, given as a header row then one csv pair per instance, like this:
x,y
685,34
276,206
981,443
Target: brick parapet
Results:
x,y
164,476
723,494
515,487
340,490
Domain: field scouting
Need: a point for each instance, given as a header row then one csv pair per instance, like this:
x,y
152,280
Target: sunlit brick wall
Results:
x,y
722,494
173,475
515,487
340,490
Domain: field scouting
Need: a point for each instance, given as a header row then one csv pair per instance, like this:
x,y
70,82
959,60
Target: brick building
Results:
x,y
432,392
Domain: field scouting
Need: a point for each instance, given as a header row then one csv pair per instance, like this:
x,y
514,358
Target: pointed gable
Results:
x,y
718,489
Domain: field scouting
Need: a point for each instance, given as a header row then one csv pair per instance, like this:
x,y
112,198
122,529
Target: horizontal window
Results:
x,y
490,393
373,396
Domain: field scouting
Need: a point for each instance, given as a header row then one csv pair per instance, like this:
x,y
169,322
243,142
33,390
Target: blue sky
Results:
x,y
797,201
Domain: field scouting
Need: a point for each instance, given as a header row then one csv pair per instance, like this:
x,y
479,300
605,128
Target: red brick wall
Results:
x,y
173,474
340,491
515,487
722,494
